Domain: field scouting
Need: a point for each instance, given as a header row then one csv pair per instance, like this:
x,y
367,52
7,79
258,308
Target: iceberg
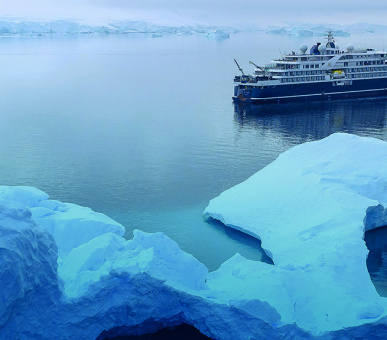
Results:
x,y
218,34
309,208
67,272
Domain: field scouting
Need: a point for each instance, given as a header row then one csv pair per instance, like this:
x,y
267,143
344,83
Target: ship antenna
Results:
x,y
239,67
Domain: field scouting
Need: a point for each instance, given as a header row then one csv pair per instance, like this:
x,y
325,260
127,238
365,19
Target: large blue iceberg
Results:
x,y
310,208
67,272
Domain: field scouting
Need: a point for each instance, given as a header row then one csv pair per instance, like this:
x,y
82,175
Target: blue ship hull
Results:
x,y
310,91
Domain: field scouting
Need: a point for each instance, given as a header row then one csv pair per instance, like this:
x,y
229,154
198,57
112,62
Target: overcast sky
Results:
x,y
228,12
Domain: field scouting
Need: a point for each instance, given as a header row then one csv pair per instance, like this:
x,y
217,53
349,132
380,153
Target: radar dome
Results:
x,y
303,48
322,49
350,48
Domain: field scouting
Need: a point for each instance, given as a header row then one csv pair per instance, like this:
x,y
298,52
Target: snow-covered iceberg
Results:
x,y
66,272
308,208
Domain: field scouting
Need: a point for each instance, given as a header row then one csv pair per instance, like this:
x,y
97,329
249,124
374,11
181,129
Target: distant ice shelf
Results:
x,y
67,272
309,30
24,27
306,32
65,27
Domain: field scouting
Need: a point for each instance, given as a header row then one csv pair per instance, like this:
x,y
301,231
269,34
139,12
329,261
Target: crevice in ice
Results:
x,y
237,233
375,237
182,331
376,217
376,242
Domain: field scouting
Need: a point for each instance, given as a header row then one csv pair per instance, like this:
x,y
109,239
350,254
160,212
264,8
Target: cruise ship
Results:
x,y
325,72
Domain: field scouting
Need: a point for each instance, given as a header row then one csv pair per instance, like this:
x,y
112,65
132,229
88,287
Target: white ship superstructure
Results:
x,y
325,71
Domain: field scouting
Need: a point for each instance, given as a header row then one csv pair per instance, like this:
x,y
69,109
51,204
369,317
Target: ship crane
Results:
x,y
239,67
257,66
262,69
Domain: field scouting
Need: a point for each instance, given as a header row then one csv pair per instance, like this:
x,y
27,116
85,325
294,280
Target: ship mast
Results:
x,y
330,37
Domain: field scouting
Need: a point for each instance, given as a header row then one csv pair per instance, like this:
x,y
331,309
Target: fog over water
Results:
x,y
230,12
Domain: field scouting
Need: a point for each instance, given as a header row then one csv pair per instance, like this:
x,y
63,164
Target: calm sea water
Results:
x,y
144,129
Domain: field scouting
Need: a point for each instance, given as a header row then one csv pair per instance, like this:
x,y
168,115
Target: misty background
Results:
x,y
201,12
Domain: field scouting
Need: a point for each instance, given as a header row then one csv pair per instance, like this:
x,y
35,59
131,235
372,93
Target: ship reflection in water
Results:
x,y
315,120
302,122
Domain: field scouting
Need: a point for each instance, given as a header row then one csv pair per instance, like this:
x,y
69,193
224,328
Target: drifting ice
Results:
x,y
67,272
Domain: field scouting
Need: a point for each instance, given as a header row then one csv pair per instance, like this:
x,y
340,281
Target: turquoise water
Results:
x,y
144,130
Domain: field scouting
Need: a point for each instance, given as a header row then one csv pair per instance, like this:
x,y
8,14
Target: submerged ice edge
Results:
x,y
65,260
